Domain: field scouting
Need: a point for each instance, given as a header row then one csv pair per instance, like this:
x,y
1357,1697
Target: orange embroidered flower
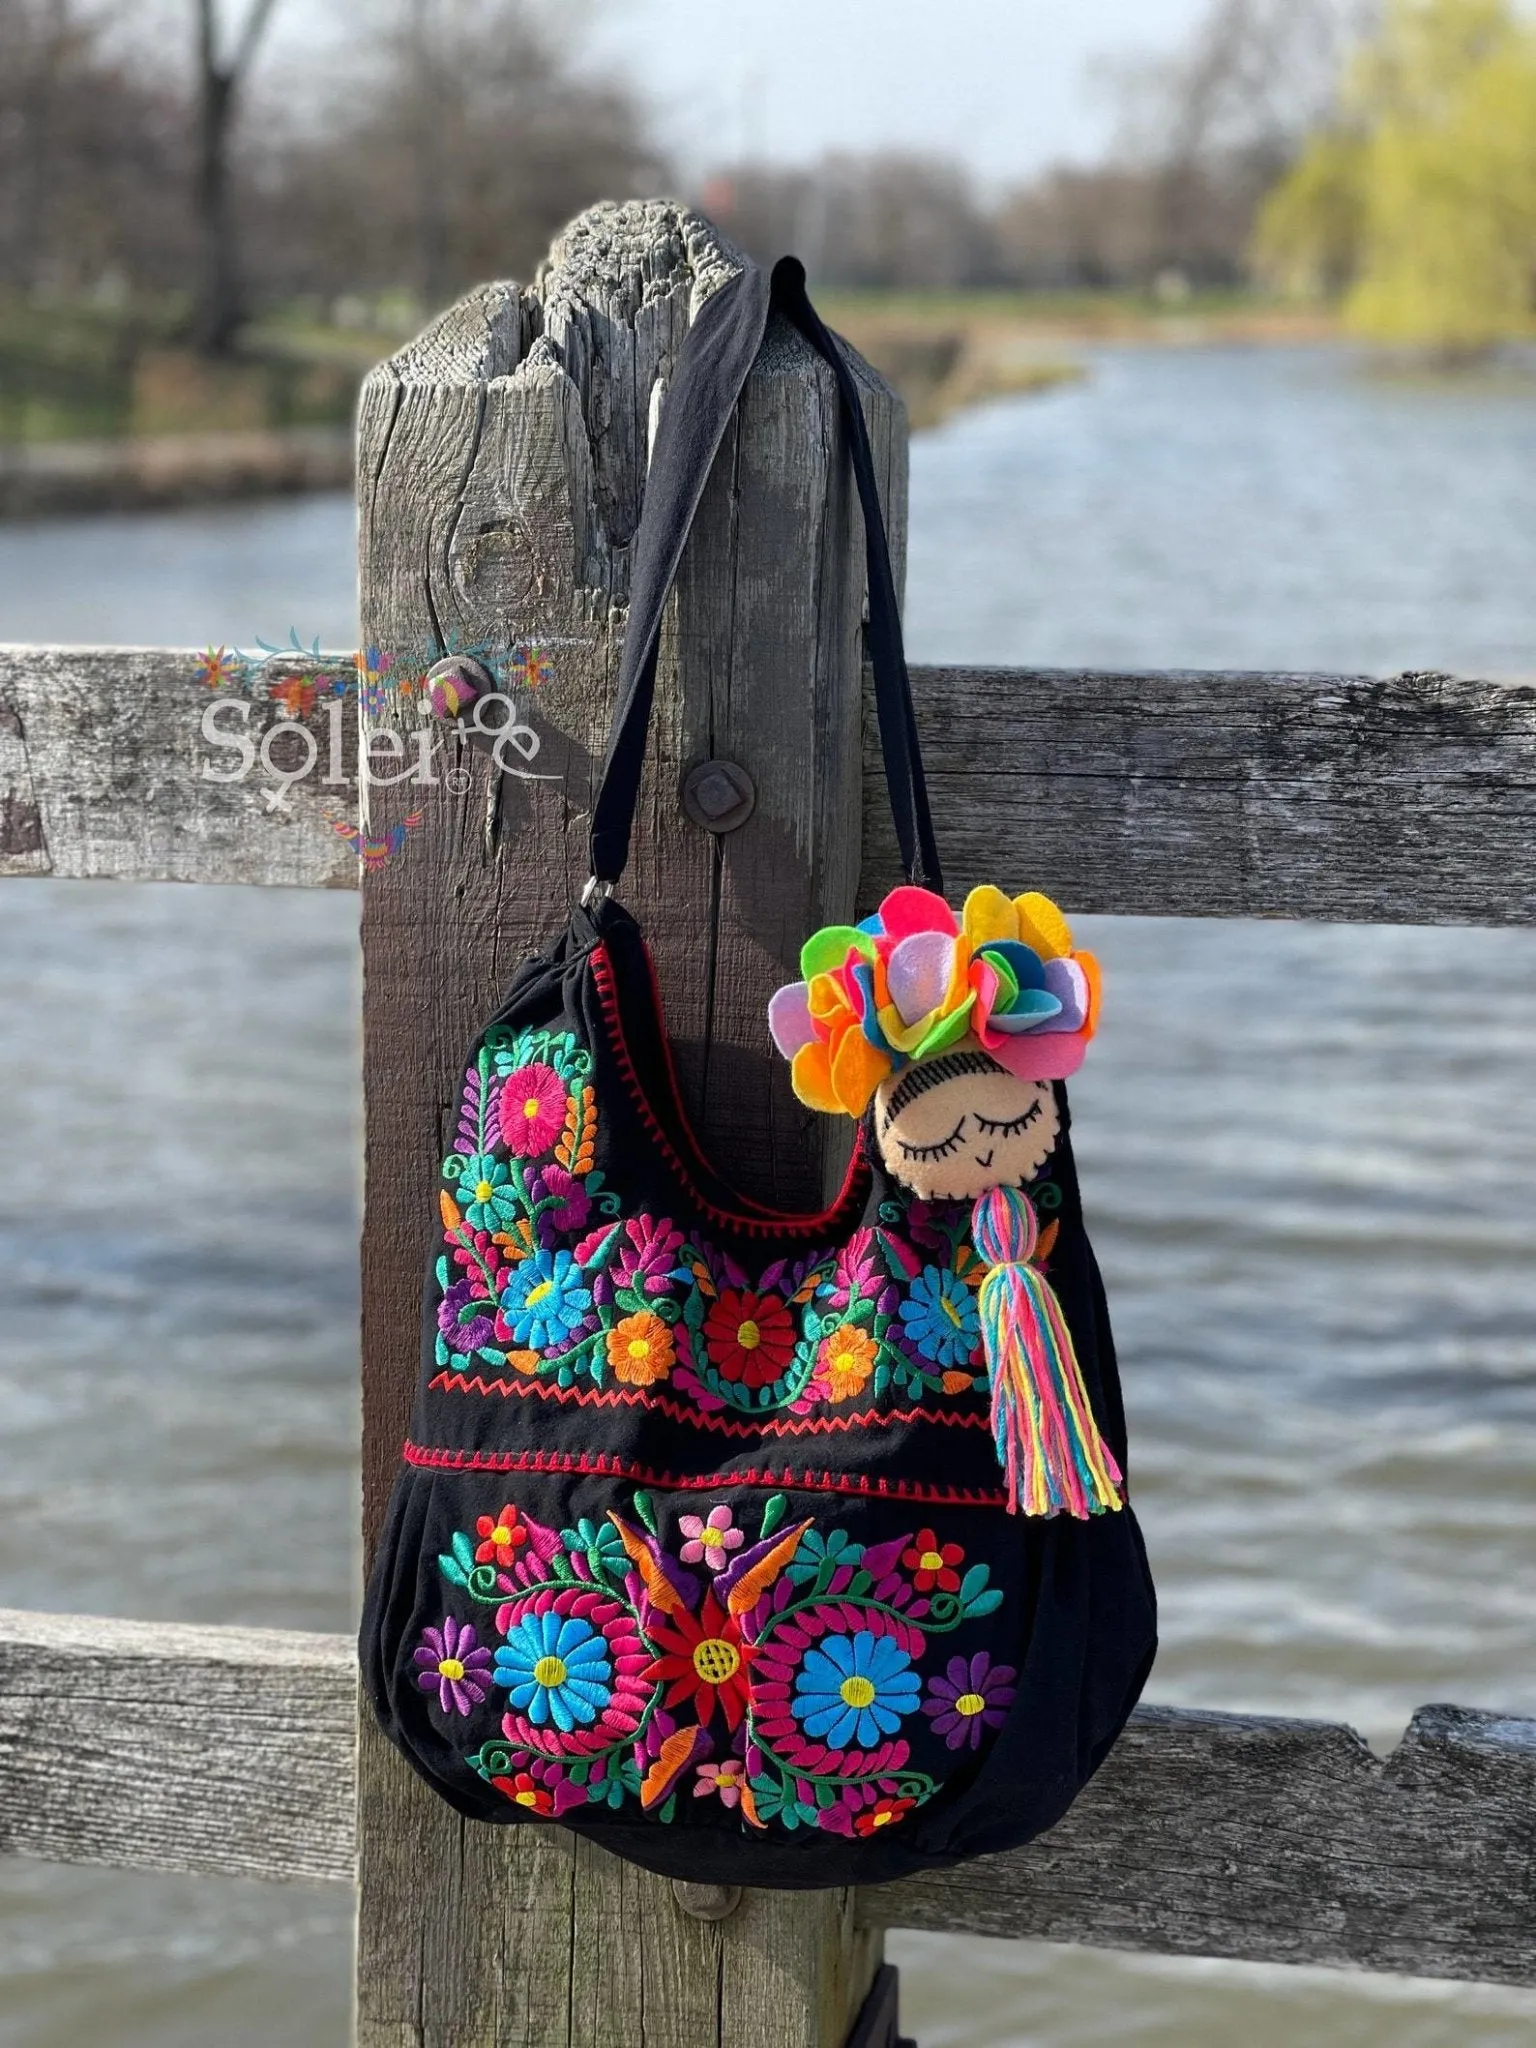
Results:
x,y
749,1336
501,1536
846,1360
932,1563
640,1349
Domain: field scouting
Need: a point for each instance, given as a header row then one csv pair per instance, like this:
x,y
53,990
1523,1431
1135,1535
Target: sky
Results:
x,y
1004,85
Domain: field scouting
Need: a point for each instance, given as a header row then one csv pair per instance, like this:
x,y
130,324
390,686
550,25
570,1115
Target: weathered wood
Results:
x,y
231,1752
501,471
102,759
1276,1841
1178,794
222,1751
1402,800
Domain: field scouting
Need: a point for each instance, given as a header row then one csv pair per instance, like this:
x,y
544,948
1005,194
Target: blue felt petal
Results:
x,y
1031,1008
1028,967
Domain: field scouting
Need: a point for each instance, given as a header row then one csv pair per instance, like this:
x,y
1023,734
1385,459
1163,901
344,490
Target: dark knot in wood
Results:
x,y
707,1901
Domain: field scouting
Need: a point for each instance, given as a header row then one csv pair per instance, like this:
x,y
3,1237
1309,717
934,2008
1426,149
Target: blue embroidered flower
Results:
x,y
556,1668
490,1200
852,1690
837,1547
544,1300
940,1317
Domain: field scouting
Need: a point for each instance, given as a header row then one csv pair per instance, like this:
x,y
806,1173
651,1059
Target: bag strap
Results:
x,y
712,367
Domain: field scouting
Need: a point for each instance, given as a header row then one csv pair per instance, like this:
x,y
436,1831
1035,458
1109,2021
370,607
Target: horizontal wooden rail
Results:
x,y
1408,800
231,1751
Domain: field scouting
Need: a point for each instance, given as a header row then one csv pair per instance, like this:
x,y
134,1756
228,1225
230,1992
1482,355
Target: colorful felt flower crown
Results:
x,y
914,979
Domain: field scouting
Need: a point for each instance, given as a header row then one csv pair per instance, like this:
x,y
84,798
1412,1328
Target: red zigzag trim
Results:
x,y
676,1411
620,1468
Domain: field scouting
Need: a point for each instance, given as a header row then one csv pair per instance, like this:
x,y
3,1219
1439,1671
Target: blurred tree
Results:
x,y
219,306
1424,190
461,135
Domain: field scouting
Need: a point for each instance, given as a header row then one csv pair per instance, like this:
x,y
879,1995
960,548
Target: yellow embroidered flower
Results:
x,y
847,1358
640,1349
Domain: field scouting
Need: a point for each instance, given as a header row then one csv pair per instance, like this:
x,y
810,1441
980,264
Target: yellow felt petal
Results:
x,y
1042,925
858,1068
902,1035
810,1075
989,914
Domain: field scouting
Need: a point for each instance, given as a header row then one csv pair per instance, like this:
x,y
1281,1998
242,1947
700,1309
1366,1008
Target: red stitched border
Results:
x,y
598,1465
701,1418
770,1223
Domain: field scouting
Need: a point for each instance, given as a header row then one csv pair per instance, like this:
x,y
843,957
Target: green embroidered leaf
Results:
x,y
984,1603
773,1513
973,1582
579,1773
860,1583
669,1812
646,1512
452,1570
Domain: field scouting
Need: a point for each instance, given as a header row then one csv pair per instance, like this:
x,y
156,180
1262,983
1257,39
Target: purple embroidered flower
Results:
x,y
569,1203
452,1664
465,1316
971,1695
647,1260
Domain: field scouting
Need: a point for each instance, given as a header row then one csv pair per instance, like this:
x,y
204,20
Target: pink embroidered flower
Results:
x,y
531,1109
727,1779
569,1203
711,1538
647,1260
452,1664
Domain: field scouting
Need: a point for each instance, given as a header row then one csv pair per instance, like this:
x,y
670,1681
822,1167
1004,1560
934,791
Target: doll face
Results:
x,y
973,1126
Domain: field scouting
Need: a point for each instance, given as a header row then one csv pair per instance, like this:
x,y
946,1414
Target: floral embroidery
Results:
x,y
711,1538
932,1563
542,1277
790,1680
451,1664
969,1697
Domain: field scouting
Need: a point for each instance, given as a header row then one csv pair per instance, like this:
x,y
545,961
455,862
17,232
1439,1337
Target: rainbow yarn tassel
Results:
x,y
1047,1440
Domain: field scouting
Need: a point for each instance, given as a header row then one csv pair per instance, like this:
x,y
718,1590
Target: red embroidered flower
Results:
x,y
881,1815
531,1109
750,1336
703,1660
932,1563
523,1791
501,1536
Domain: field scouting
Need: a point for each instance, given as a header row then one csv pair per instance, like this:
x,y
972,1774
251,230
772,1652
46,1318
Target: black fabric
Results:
x,y
699,1543
711,369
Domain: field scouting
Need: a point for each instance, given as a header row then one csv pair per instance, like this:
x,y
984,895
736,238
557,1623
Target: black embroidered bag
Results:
x,y
767,1549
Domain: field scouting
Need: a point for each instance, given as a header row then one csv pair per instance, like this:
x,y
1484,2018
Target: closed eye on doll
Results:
x,y
938,1151
1013,1124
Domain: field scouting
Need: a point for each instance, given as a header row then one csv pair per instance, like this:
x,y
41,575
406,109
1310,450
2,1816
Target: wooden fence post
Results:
x,y
501,469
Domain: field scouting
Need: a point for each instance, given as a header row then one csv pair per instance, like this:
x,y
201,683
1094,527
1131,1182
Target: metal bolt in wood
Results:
x,y
719,795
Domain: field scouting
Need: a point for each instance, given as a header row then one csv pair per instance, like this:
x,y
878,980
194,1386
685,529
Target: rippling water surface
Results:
x,y
1307,1155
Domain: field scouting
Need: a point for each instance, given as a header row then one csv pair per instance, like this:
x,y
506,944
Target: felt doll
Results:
x,y
948,1035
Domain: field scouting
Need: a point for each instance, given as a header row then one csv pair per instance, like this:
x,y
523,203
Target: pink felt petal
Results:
x,y
910,910
789,1018
1065,980
1041,1055
918,971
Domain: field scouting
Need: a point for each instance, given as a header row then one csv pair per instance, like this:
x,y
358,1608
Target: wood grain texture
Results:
x,y
102,760
222,1751
1276,1841
1256,1837
1410,799
501,470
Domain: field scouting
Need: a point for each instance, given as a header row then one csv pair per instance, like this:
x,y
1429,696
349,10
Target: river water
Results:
x,y
1307,1156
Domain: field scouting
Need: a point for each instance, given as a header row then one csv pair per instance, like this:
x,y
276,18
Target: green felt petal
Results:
x,y
831,946
1007,980
944,1033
